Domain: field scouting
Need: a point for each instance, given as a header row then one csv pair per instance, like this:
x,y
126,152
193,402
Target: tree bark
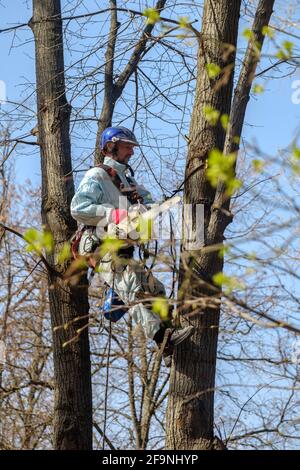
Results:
x,y
190,412
72,369
238,108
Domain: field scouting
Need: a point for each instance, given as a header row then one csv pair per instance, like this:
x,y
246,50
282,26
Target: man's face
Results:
x,y
124,152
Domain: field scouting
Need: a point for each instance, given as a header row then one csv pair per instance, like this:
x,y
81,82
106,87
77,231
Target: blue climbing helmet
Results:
x,y
118,134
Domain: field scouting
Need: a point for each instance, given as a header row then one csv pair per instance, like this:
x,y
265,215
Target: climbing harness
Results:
x,y
92,241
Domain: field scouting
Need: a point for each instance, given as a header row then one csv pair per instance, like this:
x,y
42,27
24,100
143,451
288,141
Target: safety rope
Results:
x,y
107,373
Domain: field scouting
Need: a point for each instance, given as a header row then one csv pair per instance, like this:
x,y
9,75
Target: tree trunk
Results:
x,y
190,414
72,369
191,404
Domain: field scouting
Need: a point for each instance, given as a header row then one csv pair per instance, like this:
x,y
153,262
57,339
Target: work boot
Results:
x,y
178,336
175,337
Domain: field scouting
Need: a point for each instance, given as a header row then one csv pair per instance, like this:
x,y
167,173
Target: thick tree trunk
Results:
x,y
191,404
190,414
238,108
73,398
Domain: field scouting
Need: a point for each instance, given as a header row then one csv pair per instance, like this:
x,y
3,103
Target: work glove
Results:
x,y
118,215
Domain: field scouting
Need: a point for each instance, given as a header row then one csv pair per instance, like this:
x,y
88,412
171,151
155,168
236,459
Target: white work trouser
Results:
x,y
130,281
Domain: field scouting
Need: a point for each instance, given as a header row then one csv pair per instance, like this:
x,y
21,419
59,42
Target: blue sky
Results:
x,y
271,120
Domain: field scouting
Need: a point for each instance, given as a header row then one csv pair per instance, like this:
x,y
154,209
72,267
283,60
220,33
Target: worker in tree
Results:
x,y
98,203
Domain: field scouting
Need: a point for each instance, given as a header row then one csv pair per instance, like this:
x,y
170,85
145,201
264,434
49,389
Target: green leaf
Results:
x,y
258,165
183,22
31,236
221,167
286,50
281,55
65,253
248,34
220,279
47,241
251,256
296,152
213,70
211,115
39,241
229,283
295,163
144,228
110,245
258,89
223,251
224,121
267,31
152,15
288,46
160,307
295,168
